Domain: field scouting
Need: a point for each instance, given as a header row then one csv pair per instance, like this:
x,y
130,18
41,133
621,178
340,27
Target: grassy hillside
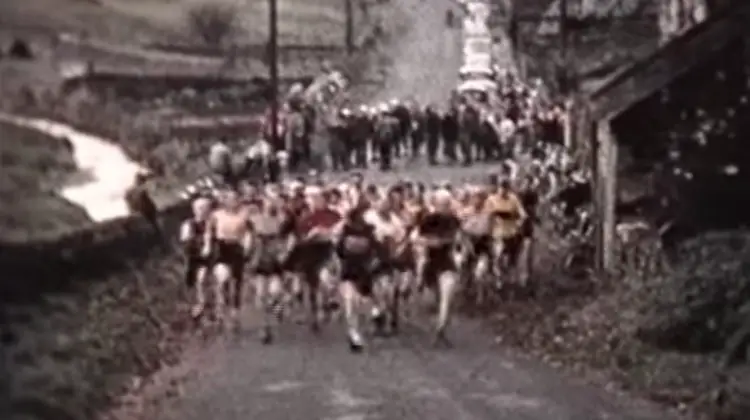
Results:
x,y
300,21
33,167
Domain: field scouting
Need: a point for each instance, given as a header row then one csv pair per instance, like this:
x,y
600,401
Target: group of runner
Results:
x,y
372,245
363,245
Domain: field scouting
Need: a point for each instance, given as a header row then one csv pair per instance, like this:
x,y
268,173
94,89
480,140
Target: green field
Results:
x,y
33,167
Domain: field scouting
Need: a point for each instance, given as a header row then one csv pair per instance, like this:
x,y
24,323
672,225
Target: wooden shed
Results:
x,y
627,88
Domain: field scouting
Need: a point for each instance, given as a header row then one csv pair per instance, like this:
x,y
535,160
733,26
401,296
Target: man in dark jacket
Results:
x,y
401,112
432,127
386,138
362,130
139,202
450,133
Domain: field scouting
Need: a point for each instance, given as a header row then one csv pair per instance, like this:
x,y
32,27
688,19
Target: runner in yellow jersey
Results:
x,y
508,216
508,211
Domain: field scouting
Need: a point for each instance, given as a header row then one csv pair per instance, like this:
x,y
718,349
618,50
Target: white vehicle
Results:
x,y
477,85
467,72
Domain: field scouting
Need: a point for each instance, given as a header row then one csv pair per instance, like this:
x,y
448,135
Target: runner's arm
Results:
x,y
249,237
187,238
338,230
186,233
208,236
522,214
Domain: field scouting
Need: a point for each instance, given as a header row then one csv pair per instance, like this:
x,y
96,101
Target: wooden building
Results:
x,y
676,69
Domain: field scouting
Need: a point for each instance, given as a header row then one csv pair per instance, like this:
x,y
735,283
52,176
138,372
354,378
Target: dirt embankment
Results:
x,y
84,313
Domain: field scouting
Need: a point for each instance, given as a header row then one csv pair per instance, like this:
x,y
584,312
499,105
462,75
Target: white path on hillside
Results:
x,y
427,59
110,172
502,49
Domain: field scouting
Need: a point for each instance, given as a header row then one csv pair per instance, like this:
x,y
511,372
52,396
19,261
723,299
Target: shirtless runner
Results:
x,y
390,232
198,262
272,243
231,238
438,232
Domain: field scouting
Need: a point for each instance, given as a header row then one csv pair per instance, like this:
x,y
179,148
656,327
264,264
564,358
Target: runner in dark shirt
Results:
x,y
440,230
359,252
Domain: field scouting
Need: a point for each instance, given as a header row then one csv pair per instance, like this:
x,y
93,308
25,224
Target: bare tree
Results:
x,y
214,24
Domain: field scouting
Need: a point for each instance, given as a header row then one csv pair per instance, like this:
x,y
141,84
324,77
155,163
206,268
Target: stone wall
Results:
x,y
87,316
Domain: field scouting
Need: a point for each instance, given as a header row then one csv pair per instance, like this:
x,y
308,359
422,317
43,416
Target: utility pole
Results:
x,y
273,70
349,29
564,63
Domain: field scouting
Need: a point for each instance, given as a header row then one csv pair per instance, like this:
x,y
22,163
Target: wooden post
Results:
x,y
606,195
577,131
590,131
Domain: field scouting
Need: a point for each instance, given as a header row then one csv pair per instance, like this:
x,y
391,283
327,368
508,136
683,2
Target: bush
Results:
x,y
214,24
700,306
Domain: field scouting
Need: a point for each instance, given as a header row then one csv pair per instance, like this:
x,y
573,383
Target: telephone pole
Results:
x,y
349,29
273,70
565,75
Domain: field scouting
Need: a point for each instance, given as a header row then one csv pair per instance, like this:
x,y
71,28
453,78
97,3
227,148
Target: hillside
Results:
x,y
113,34
138,21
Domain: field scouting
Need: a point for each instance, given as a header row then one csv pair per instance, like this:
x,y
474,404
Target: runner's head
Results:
x,y
201,207
505,187
357,179
334,196
477,196
357,213
442,199
315,197
396,193
493,180
231,199
371,193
